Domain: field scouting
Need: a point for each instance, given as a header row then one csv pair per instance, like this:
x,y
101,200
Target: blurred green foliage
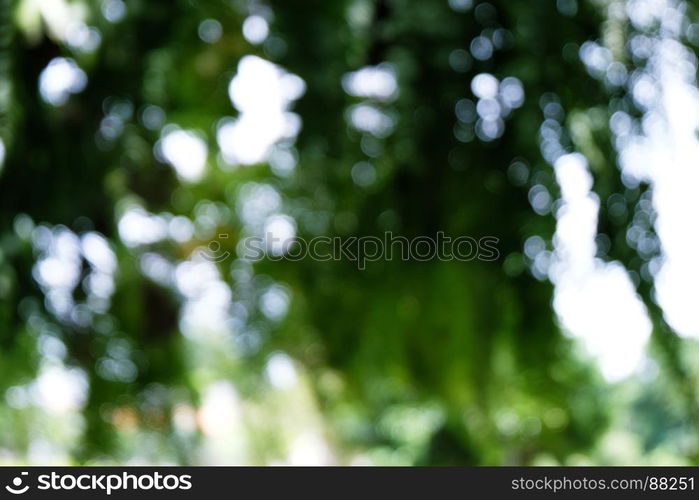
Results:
x,y
404,362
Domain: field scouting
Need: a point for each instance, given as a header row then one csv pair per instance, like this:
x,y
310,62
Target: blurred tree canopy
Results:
x,y
126,155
